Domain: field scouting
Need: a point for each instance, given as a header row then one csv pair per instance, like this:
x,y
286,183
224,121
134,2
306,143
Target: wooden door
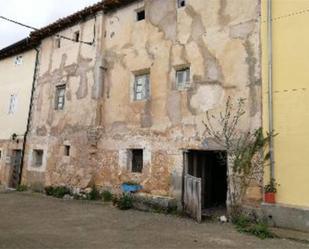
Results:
x,y
193,197
15,164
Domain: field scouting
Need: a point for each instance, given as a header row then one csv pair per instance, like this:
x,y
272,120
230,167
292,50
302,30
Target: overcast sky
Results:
x,y
36,13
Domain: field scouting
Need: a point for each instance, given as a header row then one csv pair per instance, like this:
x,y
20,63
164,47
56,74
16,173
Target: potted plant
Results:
x,y
270,191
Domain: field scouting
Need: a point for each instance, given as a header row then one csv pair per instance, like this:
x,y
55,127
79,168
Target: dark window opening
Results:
x,y
137,161
38,158
67,150
140,15
181,3
58,42
0,154
76,36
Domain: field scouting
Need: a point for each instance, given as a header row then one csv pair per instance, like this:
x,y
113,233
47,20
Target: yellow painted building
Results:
x,y
290,97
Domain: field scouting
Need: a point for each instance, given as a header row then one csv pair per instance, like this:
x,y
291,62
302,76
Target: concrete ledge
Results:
x,y
154,203
285,216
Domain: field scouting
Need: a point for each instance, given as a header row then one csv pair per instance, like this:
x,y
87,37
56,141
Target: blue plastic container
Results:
x,y
126,188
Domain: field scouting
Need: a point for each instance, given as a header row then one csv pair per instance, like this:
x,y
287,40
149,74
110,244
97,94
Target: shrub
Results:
x,y
257,228
58,192
107,196
22,188
94,194
124,202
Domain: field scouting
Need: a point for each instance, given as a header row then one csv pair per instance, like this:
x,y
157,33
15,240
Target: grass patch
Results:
x,y
58,192
107,196
22,188
257,228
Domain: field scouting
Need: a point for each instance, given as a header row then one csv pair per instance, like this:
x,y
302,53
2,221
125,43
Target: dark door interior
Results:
x,y
15,168
211,167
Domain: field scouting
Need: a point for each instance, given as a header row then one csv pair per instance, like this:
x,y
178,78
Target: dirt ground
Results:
x,y
32,221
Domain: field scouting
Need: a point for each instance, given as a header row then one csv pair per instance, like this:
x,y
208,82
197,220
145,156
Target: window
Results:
x,y
76,36
58,42
18,60
0,154
137,160
181,3
182,78
12,104
60,97
67,150
38,158
140,15
141,87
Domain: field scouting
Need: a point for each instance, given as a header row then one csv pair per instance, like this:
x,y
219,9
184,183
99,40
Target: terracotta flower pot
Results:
x,y
270,198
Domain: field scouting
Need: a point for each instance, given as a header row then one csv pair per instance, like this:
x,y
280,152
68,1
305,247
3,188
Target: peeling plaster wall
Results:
x,y
220,40
76,65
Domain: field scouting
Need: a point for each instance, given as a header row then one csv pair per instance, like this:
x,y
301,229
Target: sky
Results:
x,y
35,13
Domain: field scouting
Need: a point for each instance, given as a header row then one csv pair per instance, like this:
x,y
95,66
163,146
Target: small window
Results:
x,y
137,160
58,42
0,154
12,104
141,87
60,97
76,36
183,78
67,150
38,158
18,60
140,15
181,3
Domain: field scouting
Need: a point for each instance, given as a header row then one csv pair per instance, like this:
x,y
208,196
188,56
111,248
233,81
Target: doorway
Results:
x,y
15,168
211,168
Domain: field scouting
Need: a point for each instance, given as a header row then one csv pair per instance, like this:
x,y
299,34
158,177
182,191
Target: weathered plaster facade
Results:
x,y
218,40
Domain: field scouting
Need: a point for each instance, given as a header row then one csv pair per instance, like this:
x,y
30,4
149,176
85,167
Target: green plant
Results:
x,y
22,188
246,150
254,227
58,192
271,187
124,202
94,194
107,196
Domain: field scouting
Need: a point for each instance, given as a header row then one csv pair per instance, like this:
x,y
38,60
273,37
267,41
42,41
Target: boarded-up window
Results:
x,y
38,158
141,87
137,160
12,104
60,97
183,78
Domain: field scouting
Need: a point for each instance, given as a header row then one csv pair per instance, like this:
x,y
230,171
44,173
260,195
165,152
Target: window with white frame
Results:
x,y
181,3
60,97
141,87
12,104
18,60
37,158
183,78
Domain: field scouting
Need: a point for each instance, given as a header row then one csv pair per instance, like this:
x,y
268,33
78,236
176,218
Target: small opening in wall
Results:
x,y
58,42
18,60
181,3
137,160
0,154
38,158
140,15
67,150
76,36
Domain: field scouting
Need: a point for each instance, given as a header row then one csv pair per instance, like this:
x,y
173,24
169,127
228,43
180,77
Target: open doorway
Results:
x,y
211,168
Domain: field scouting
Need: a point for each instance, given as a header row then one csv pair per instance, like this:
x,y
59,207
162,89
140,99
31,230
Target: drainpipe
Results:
x,y
270,86
29,115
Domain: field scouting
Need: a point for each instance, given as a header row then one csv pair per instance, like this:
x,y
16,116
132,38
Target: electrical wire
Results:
x,y
35,29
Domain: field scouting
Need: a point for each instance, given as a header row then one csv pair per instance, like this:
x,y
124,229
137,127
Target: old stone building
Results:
x,y
123,86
